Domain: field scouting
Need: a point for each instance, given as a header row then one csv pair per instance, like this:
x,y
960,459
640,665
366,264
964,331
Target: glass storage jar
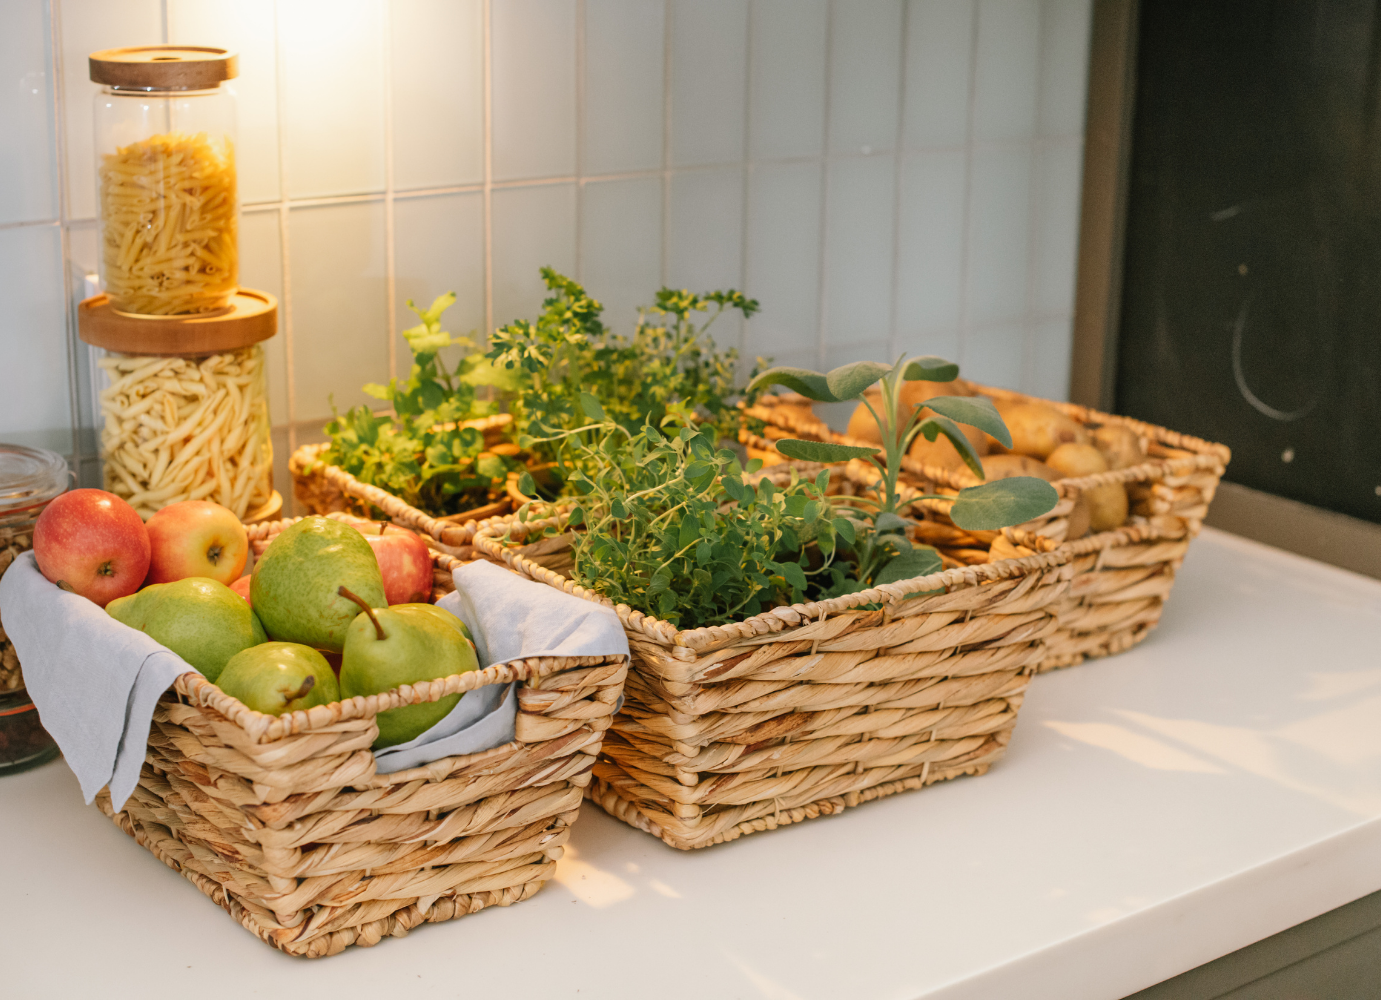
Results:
x,y
177,428
167,200
29,479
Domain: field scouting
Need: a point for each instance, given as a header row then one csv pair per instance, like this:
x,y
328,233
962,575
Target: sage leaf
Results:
x,y
933,427
887,521
1003,503
810,384
849,381
974,411
821,451
930,369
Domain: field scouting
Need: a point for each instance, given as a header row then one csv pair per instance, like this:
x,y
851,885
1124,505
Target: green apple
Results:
x,y
202,621
296,586
405,644
278,677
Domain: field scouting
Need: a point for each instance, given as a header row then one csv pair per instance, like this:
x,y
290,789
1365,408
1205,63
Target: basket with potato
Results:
x,y
1132,497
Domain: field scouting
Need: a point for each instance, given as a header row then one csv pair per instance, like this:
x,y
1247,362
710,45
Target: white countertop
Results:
x,y
1156,810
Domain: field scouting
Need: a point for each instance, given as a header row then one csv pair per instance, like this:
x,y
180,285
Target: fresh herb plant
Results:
x,y
669,366
418,451
674,531
881,550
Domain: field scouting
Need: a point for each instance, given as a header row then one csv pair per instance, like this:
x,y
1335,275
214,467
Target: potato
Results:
x,y
1121,446
913,394
862,426
1080,517
941,452
1038,429
1107,504
1007,466
1077,460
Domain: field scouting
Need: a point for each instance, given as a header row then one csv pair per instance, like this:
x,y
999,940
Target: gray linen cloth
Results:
x,y
96,682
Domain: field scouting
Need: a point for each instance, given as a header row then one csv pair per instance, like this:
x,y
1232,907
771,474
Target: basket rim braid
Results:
x,y
286,824
765,625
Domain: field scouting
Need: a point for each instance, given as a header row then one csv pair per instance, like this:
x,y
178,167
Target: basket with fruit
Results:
x,y
795,651
1132,497
266,780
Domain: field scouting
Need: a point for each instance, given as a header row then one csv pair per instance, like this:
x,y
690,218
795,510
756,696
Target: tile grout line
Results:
x,y
821,296
746,172
284,241
65,238
487,186
580,56
967,214
668,20
390,255
895,278
1033,213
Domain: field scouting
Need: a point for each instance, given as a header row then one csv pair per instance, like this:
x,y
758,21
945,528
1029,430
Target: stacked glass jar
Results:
x,y
184,402
29,479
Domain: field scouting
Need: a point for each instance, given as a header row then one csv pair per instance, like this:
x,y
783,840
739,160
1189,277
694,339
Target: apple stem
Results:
x,y
364,606
302,692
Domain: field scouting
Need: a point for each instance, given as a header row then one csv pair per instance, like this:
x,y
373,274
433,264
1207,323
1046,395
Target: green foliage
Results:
x,y
417,451
568,360
1003,503
673,530
883,553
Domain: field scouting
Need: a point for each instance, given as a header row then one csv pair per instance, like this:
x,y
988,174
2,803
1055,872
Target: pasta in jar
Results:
x,y
187,429
168,224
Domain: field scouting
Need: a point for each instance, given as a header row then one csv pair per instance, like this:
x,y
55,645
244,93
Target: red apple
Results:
x,y
241,587
93,542
196,538
404,560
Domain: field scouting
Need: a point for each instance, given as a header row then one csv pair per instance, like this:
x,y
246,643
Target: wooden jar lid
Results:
x,y
164,67
251,317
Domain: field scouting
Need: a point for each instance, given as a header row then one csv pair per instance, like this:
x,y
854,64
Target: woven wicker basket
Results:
x,y
803,711
1121,577
284,822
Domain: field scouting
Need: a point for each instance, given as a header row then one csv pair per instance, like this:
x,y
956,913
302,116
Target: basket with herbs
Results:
x,y
441,458
1132,497
795,650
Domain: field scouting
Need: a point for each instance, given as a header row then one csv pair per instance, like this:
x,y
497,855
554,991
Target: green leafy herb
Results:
x,y
576,371
884,551
417,449
673,530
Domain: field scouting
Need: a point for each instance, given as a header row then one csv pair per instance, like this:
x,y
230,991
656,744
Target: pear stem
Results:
x,y
364,606
291,696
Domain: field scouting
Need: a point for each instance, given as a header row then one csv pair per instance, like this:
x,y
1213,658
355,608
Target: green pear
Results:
x,y
278,677
201,620
297,581
405,644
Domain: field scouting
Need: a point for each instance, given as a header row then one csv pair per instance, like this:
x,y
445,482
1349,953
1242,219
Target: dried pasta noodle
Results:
x,y
168,229
187,429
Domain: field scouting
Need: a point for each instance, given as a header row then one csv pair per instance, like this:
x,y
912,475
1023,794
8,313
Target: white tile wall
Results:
x,y
883,175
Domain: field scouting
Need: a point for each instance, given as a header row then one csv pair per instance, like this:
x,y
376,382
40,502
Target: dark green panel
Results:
x,y
1252,295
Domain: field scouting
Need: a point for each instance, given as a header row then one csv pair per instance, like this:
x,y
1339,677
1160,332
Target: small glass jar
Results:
x,y
167,200
29,479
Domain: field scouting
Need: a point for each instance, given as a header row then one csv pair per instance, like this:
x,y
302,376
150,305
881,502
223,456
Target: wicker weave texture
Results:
x,y
285,823
802,711
1123,577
